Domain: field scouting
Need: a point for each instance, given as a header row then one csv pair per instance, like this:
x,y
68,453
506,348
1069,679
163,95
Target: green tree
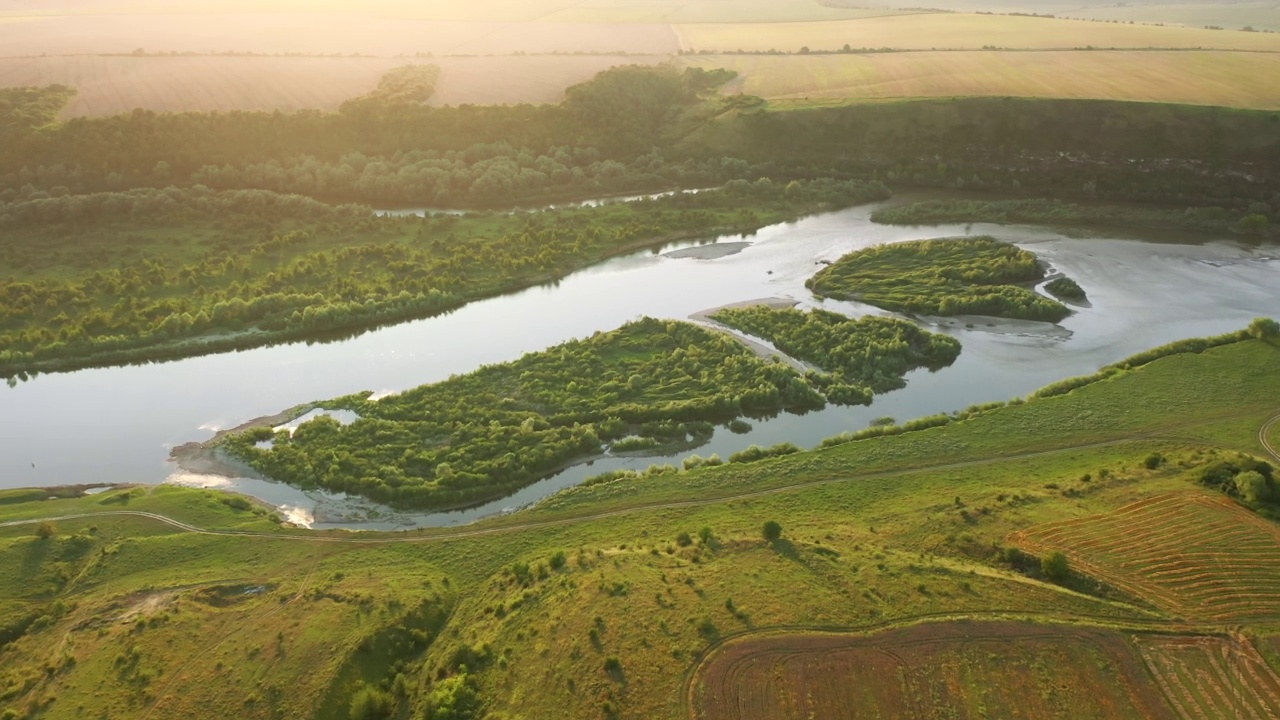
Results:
x,y
1253,487
370,703
1262,328
454,698
1055,566
772,530
46,530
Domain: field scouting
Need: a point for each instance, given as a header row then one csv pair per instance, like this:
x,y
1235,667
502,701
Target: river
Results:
x,y
117,425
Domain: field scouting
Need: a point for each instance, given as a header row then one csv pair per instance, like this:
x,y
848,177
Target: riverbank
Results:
x,y
495,267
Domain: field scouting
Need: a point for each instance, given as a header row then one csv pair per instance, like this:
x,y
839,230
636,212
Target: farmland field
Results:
x,y
1232,79
960,669
1212,676
113,84
322,34
497,10
961,32
1194,555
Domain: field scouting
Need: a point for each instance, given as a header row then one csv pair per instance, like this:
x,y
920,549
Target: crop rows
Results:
x,y
1211,677
1195,555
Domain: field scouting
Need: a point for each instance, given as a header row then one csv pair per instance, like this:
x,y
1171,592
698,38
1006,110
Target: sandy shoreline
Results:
x,y
208,458
703,317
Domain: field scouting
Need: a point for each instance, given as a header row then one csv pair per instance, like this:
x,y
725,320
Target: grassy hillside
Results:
x,y
598,603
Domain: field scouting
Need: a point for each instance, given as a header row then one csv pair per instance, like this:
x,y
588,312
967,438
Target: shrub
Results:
x,y
46,530
706,535
1055,566
772,530
454,699
370,703
684,539
558,560
1153,461
1263,328
1252,486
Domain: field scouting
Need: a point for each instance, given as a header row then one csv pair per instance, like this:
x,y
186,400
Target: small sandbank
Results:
x,y
703,317
712,251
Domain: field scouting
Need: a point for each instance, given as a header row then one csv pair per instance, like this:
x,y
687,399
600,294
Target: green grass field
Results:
x,y
1229,79
123,615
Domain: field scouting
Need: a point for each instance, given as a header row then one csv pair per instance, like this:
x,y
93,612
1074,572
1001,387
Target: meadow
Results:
x,y
595,607
1228,79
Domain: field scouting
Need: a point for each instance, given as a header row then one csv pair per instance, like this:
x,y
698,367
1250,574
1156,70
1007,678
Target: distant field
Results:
x,y
113,84
1233,79
946,31
1195,555
321,33
490,10
964,669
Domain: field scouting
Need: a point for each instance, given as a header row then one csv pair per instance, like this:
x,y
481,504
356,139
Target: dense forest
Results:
x,y
1253,219
636,128
957,276
482,435
863,356
181,271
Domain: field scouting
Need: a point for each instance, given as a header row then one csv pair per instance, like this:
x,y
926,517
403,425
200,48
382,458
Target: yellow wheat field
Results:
x,y
950,31
1233,79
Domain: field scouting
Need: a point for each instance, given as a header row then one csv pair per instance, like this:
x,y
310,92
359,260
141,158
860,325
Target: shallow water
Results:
x,y
116,425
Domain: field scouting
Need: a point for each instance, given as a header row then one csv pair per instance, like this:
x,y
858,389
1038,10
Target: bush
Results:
x,y
46,530
453,699
684,539
1153,461
772,530
1252,486
370,703
1055,567
1263,328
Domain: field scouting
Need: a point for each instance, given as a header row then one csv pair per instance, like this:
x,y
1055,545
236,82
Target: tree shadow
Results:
x,y
786,549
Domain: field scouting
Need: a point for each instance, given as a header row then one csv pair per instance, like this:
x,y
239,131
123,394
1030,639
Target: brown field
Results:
x,y
321,33
1231,79
1212,677
945,31
114,84
1195,555
935,670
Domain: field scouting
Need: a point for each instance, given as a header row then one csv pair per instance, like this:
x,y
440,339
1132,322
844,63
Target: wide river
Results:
x,y
117,425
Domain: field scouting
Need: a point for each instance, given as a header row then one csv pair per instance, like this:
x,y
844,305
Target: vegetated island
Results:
x,y
954,276
1066,289
863,357
480,436
1252,219
177,272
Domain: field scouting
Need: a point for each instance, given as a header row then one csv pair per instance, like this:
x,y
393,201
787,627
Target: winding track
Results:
x,y
1263,435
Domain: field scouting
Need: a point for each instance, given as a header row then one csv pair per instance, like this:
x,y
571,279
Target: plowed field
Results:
x,y
1195,555
938,670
